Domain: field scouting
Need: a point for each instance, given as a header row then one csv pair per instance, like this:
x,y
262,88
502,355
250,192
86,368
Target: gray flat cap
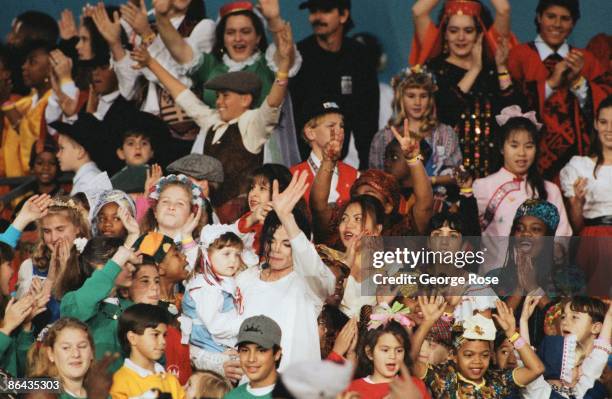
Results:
x,y
198,166
240,82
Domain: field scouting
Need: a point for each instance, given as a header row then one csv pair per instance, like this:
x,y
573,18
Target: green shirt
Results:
x,y
242,393
13,352
87,304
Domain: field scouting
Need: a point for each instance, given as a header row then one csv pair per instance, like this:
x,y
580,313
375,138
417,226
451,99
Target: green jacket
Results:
x,y
87,304
13,352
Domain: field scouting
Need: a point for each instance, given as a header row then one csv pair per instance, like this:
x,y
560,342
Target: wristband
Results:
x,y
433,180
514,337
520,342
65,80
188,243
8,105
466,190
282,75
503,73
281,82
414,160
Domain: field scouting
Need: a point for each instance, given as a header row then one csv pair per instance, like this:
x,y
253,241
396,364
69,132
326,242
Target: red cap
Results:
x,y
235,7
462,7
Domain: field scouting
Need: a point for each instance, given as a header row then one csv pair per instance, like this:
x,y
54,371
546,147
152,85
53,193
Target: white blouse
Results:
x,y
598,200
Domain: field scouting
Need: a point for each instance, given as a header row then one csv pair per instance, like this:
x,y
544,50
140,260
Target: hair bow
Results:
x,y
397,312
514,111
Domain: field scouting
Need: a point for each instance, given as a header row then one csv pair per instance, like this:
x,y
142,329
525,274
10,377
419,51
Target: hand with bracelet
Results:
x,y
408,144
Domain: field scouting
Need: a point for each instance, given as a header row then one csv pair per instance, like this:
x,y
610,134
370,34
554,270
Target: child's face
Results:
x,y
353,222
57,227
505,357
136,150
173,267
231,105
259,193
173,207
108,222
433,353
445,239
579,324
321,134
387,356
72,353
473,359
529,232
69,154
225,261
416,102
45,167
280,255
257,363
519,152
395,163
151,344
193,388
6,273
145,285
104,80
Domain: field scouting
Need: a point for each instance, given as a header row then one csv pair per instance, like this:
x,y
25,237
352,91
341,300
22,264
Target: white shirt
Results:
x,y
86,173
294,301
255,125
104,104
354,299
598,201
545,51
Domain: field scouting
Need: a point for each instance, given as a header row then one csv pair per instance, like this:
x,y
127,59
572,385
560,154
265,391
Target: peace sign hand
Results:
x,y
409,145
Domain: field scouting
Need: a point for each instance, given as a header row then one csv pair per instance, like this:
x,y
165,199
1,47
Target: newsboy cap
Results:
x,y
198,166
241,82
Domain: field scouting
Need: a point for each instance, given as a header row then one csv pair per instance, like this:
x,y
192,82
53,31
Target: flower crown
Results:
x,y
413,72
383,316
66,204
196,191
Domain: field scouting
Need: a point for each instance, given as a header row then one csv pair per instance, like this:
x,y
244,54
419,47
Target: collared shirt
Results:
x,y
255,125
142,371
83,176
104,104
545,51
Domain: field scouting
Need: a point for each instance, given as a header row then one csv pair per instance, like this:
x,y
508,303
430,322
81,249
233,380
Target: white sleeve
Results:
x,y
24,278
201,113
308,264
568,176
126,76
223,326
257,125
592,368
537,389
297,62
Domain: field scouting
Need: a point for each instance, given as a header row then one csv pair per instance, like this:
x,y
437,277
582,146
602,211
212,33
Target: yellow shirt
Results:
x,y
132,380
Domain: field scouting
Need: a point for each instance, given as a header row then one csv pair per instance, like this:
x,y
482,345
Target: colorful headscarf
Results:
x,y
118,197
155,245
541,209
382,182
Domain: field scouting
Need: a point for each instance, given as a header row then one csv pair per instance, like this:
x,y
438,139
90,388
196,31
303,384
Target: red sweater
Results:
x,y
380,391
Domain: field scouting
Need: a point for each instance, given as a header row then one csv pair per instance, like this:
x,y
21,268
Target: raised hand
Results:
x,y
67,26
109,29
153,175
333,148
40,299
580,191
136,17
501,53
192,222
557,79
505,318
15,313
35,208
261,211
575,63
162,7
409,145
92,100
345,337
432,307
270,9
142,57
285,51
283,203
129,222
531,302
62,65
477,53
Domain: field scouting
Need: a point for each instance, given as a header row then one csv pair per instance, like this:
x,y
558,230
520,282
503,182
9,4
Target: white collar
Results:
x,y
89,167
141,371
544,49
259,391
177,21
234,66
110,97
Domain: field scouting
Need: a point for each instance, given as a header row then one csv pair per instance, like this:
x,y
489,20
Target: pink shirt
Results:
x,y
500,226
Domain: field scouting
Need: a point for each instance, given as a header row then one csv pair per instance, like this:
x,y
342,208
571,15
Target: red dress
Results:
x,y
380,391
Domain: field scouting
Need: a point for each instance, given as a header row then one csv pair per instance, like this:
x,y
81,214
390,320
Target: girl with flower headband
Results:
x,y
473,86
413,99
383,353
499,195
176,211
212,304
55,258
468,374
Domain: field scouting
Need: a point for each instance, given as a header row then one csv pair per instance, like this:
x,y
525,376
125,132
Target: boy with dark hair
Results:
x,y
583,317
142,334
259,349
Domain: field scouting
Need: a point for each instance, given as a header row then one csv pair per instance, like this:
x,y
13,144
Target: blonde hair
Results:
x,y
211,385
413,80
311,124
38,362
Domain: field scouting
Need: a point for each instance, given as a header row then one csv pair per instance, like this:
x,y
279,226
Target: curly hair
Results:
x,y
414,80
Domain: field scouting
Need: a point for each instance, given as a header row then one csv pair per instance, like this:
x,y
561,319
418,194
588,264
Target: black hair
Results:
x,y
5,56
373,46
597,146
534,177
271,172
137,318
452,220
595,307
272,223
39,26
334,320
97,252
370,206
368,341
196,11
275,348
49,146
219,46
99,45
37,44
573,6
6,252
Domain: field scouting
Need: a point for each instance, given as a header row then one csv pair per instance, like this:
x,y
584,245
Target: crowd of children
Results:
x,y
196,255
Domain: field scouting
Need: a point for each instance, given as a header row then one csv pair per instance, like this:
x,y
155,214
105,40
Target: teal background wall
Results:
x,y
390,20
